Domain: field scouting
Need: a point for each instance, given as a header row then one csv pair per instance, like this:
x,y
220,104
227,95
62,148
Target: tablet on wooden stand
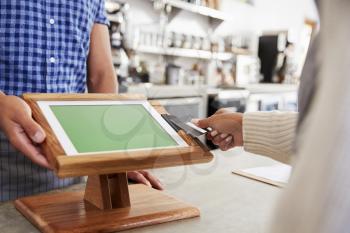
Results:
x,y
103,136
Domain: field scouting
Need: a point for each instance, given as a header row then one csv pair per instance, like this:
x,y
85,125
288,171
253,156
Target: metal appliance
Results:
x,y
235,100
269,102
185,109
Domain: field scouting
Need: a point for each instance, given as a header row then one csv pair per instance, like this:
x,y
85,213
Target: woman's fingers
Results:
x,y
219,138
227,143
224,141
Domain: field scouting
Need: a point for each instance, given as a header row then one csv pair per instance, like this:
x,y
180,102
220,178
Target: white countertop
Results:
x,y
166,91
271,88
171,91
228,203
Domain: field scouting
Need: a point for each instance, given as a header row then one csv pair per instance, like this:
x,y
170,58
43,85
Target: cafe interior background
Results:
x,y
196,56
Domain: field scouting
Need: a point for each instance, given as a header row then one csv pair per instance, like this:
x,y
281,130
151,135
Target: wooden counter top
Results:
x,y
228,203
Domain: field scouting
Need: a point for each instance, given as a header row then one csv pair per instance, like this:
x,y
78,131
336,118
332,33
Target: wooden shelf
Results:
x,y
190,53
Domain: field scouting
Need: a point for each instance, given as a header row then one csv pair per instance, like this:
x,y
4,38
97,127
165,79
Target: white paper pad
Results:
x,y
272,174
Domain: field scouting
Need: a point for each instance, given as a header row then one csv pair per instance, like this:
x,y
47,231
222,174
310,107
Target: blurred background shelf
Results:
x,y
163,49
113,18
202,10
180,52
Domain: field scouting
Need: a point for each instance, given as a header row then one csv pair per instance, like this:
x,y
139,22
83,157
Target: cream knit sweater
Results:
x,y
317,199
270,133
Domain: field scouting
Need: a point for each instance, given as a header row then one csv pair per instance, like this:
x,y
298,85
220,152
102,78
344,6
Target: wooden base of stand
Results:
x,y
69,212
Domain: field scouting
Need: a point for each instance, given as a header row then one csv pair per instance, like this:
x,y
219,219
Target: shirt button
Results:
x,y
52,60
52,21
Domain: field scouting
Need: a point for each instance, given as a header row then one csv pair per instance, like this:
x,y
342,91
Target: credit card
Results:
x,y
188,127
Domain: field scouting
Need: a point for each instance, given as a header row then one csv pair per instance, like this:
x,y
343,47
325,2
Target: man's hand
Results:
x,y
22,131
227,128
146,178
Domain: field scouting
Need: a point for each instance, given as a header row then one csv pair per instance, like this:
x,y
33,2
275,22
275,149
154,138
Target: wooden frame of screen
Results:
x,y
111,162
68,146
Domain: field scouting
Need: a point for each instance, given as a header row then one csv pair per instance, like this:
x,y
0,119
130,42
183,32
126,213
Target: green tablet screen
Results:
x,y
98,128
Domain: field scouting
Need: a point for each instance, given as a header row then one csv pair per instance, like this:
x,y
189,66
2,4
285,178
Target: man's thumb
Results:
x,y
33,130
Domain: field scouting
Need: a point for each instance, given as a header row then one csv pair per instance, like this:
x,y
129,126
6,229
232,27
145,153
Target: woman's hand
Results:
x,y
226,128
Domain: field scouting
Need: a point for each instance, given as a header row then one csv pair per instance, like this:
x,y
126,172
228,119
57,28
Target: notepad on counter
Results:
x,y
277,175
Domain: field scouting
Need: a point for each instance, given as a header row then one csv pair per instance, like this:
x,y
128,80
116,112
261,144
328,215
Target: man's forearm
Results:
x,y
105,83
102,77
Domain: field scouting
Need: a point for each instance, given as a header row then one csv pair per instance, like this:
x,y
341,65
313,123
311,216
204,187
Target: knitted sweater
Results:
x,y
317,197
270,133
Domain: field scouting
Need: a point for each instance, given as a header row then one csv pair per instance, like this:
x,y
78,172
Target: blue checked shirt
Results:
x,y
44,45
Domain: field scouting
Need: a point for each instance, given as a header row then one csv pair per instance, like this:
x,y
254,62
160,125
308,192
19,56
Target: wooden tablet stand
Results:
x,y
108,191
108,204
